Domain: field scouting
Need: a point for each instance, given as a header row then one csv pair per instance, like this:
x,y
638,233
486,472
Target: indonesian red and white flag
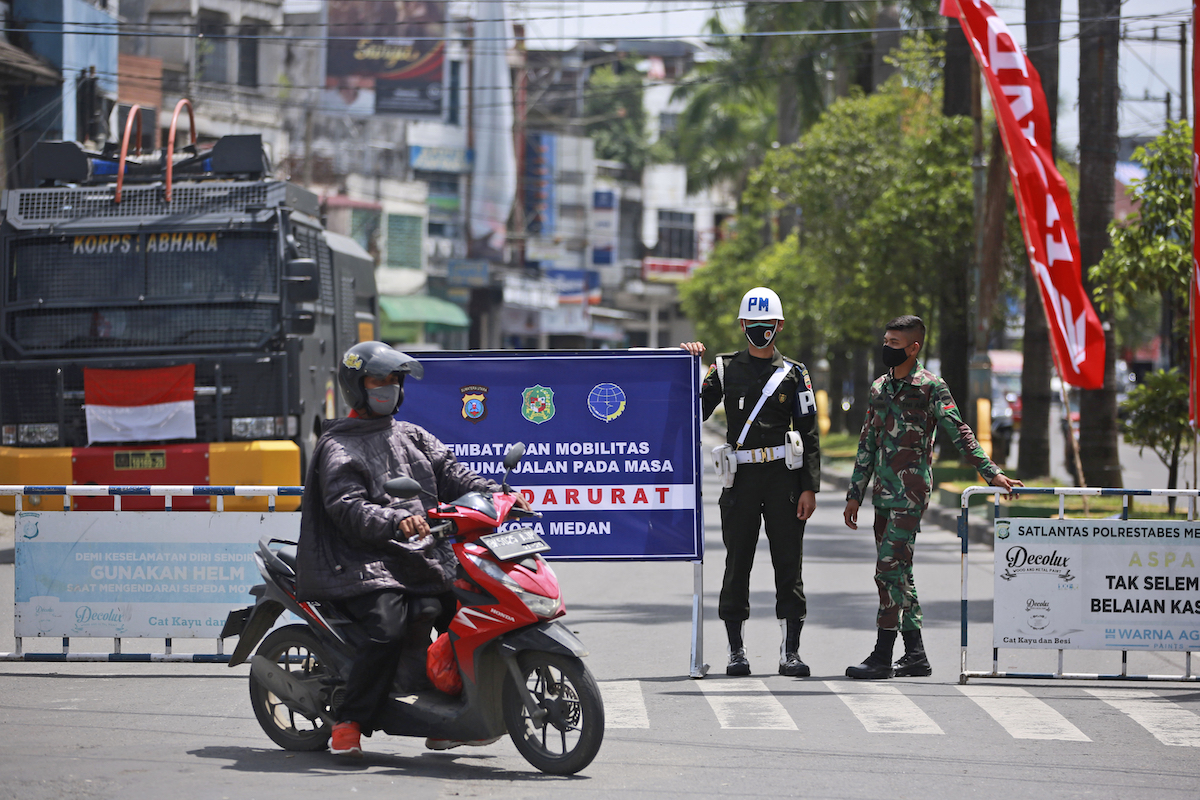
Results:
x,y
140,405
1043,201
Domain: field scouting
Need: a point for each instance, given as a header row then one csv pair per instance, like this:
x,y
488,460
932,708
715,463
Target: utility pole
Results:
x,y
979,381
1153,38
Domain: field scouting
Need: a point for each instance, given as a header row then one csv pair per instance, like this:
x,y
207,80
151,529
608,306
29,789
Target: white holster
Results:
x,y
793,450
725,462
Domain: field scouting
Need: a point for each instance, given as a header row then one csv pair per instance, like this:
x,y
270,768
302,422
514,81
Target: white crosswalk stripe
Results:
x,y
746,704
1168,722
624,704
1023,715
882,708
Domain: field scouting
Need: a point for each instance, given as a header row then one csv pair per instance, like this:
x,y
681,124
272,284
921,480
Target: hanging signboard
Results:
x,y
1108,584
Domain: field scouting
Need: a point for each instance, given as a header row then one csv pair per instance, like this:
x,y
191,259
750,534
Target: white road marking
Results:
x,y
624,705
1023,715
746,704
1168,722
882,708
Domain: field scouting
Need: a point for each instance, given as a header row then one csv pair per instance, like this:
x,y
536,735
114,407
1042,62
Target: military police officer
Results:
x,y
907,405
771,469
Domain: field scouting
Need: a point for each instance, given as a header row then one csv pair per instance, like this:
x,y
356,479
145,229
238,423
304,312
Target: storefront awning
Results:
x,y
398,316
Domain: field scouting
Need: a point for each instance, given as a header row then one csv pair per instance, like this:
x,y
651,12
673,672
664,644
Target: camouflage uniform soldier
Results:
x,y
765,490
896,444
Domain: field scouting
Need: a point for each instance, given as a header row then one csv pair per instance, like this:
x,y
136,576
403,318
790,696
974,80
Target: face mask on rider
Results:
x,y
384,400
760,334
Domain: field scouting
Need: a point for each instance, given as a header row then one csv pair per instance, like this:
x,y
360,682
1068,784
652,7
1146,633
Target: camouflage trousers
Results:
x,y
895,534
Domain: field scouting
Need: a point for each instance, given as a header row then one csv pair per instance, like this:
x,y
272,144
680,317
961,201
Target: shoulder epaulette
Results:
x,y
719,363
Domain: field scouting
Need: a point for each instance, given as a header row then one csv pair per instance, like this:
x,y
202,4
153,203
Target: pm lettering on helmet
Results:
x,y
760,303
353,360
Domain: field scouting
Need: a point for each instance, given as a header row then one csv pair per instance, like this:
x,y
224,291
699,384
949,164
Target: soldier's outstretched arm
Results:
x,y
951,422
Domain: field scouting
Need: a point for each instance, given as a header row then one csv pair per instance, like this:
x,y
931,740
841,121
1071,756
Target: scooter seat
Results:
x,y
287,554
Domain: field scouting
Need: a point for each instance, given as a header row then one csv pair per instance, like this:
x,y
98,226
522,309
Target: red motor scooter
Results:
x,y
521,669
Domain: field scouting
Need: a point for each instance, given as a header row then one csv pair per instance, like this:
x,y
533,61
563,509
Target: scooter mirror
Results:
x,y
403,488
513,456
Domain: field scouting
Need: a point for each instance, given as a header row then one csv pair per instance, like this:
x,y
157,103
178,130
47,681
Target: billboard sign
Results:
x,y
385,58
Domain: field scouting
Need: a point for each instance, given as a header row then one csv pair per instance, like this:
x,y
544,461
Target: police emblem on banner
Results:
x,y
537,404
474,400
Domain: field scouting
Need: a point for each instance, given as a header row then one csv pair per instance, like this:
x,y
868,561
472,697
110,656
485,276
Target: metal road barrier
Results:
x,y
1112,584
138,575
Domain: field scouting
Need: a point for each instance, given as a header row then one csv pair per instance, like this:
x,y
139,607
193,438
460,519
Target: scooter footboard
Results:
x,y
551,637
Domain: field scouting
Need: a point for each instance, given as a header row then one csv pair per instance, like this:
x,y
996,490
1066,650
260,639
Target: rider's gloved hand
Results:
x,y
412,527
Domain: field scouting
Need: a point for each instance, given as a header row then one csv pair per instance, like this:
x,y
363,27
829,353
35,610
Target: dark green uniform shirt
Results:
x,y
791,406
897,440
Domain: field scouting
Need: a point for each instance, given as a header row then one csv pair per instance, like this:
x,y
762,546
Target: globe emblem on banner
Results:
x,y
606,401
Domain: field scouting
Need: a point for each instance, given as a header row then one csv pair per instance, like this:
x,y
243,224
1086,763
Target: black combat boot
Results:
x,y
914,663
738,663
789,649
878,665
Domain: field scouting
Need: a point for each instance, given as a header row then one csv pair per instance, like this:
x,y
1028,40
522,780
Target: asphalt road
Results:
x,y
100,730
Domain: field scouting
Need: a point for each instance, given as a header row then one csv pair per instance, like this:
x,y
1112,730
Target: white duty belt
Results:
x,y
761,455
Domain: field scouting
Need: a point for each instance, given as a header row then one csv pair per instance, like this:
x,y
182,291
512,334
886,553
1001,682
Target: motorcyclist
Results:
x,y
368,551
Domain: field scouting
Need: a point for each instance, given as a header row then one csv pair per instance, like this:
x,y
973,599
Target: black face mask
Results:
x,y
893,356
759,334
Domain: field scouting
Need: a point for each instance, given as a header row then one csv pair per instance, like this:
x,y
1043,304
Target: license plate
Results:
x,y
514,544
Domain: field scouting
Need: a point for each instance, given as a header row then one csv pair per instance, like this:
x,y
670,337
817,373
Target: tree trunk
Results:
x,y
1099,92
1173,476
954,324
838,372
861,372
994,229
1033,457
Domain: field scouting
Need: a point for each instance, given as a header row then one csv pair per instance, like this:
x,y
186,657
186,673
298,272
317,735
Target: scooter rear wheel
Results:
x,y
573,726
295,649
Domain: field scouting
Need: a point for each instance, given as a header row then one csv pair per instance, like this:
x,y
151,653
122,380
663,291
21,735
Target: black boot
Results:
x,y
738,665
878,665
914,663
789,649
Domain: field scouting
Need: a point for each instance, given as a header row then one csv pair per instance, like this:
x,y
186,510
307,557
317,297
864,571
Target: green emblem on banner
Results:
x,y
537,404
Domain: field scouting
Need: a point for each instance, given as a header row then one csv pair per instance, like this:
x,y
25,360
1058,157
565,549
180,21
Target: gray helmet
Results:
x,y
377,360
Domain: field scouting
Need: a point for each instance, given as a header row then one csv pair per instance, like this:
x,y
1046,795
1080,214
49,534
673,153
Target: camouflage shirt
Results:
x,y
897,440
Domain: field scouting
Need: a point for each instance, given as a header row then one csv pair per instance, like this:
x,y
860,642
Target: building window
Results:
x,y
452,112
211,51
404,240
676,235
668,123
248,54
442,184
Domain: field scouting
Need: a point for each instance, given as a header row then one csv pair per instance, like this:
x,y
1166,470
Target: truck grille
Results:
x,y
40,207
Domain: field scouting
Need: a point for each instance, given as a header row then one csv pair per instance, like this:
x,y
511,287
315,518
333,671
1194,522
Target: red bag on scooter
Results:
x,y
441,666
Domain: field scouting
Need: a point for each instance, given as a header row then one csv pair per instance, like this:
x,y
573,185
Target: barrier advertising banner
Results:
x,y
1097,584
612,437
160,574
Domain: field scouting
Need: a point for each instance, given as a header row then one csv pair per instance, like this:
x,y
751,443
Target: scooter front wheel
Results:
x,y
296,650
568,735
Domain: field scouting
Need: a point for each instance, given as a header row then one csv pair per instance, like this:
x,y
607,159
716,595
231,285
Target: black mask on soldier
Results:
x,y
893,356
760,334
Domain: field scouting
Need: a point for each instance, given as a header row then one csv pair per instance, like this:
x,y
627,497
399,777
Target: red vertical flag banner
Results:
x,y
1043,201
1194,394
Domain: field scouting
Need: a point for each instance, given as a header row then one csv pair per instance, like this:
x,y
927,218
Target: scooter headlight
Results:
x,y
538,605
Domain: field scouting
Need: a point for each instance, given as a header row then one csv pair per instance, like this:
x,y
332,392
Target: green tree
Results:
x,y
616,114
1151,251
1157,417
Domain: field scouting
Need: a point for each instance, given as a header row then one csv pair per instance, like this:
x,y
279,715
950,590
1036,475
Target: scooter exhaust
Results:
x,y
296,693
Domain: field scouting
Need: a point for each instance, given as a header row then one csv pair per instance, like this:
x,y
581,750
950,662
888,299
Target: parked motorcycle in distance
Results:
x,y
521,668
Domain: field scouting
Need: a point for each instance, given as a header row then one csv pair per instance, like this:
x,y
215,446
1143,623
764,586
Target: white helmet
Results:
x,y
760,303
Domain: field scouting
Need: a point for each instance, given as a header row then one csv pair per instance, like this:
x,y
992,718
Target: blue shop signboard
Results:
x,y
612,437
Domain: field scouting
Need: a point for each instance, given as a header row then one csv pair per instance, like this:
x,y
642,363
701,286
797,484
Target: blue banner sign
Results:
x,y
612,442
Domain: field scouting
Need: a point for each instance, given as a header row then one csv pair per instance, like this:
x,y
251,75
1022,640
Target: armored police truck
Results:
x,y
171,319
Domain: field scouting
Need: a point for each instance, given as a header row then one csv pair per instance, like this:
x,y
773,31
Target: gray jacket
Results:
x,y
348,523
